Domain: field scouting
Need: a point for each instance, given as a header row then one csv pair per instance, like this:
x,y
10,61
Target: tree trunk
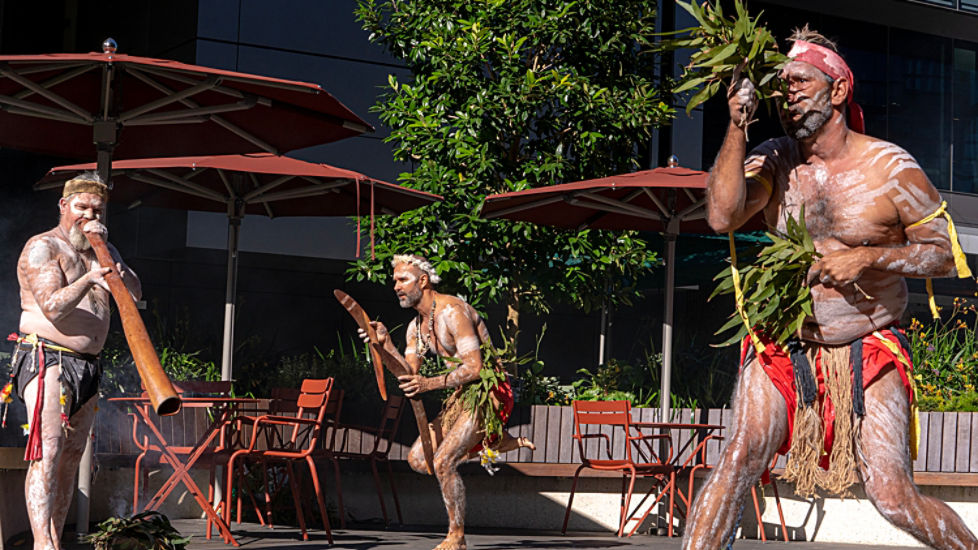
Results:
x,y
512,329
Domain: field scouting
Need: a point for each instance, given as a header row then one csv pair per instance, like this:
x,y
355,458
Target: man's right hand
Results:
x,y
382,335
96,275
742,102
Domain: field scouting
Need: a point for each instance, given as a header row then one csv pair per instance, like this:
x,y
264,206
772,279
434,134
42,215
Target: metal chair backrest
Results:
x,y
313,398
389,422
602,413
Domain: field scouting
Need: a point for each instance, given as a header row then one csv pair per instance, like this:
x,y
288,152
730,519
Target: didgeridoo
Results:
x,y
158,387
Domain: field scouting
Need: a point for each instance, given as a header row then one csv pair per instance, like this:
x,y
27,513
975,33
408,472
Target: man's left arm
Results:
x,y
926,252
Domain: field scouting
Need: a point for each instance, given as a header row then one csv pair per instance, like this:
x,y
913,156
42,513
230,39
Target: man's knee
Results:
x,y
892,497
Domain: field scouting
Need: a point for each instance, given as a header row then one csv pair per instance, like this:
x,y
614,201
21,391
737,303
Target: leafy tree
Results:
x,y
508,95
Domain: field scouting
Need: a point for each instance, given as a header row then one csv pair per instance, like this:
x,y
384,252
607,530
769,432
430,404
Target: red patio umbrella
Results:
x,y
261,184
133,107
668,200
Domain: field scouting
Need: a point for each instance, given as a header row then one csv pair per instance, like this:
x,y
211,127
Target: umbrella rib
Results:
x,y
174,187
45,93
53,115
227,184
689,194
46,68
303,192
168,99
199,189
264,101
639,211
262,188
521,207
172,74
63,77
254,181
169,116
615,209
243,134
697,204
662,208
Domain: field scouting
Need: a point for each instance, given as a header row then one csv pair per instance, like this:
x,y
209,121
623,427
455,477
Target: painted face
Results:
x,y
407,285
76,211
809,104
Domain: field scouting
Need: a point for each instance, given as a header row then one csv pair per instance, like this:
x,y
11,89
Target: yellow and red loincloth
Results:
x,y
802,374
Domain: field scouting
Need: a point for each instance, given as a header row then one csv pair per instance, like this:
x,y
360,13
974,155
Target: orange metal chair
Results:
x,y
383,436
306,428
612,416
149,451
767,480
696,461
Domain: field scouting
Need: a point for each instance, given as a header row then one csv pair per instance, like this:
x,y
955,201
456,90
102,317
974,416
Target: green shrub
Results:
x,y
945,358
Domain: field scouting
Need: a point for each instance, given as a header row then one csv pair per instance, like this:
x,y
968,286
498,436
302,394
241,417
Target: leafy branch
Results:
x,y
729,48
776,299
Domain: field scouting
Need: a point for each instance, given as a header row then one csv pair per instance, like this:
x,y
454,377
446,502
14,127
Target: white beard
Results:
x,y
78,239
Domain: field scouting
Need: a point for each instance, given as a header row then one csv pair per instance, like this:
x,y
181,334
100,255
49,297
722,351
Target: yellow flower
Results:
x,y
969,387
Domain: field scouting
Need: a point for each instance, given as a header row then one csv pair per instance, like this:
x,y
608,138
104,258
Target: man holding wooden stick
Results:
x,y
448,327
55,369
839,397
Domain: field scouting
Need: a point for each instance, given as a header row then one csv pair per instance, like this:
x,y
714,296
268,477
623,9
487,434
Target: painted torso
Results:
x,y
47,263
849,202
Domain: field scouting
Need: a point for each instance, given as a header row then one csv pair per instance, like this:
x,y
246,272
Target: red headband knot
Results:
x,y
835,67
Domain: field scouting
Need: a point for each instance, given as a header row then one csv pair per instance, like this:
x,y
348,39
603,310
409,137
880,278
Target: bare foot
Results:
x,y
509,443
452,542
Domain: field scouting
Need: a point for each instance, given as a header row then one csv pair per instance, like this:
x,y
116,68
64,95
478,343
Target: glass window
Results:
x,y
965,118
919,100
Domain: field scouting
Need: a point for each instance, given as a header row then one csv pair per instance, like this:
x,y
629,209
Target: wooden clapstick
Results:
x,y
158,387
397,368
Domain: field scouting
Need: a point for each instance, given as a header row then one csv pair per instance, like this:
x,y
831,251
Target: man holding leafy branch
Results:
x,y
473,418
839,395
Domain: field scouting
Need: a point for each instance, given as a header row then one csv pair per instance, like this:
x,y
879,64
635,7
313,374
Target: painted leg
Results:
x,y
41,474
81,422
461,437
760,426
884,466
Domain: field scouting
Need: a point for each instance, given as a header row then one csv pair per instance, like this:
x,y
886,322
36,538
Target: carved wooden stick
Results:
x,y
397,368
158,387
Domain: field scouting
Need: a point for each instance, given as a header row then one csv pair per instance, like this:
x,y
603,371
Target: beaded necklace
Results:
x,y
424,343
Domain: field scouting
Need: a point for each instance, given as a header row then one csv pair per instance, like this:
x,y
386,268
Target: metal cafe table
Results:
x,y
223,409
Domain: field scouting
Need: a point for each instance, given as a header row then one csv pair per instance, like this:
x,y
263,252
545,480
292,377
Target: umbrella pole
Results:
x,y
666,389
227,353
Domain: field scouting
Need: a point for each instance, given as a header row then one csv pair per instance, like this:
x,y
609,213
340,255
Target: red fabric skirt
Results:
x,y
504,395
877,357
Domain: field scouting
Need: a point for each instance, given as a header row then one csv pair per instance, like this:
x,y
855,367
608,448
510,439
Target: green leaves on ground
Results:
x,y
776,298
143,531
729,47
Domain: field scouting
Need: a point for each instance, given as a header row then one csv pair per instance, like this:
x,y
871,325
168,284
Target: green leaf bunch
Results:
x,y
777,299
505,95
143,531
728,48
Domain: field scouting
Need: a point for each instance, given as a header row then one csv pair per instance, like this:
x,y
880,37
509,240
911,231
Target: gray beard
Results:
x,y
410,300
78,239
809,123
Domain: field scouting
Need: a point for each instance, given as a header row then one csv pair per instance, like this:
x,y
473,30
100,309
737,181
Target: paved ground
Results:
x,y
254,536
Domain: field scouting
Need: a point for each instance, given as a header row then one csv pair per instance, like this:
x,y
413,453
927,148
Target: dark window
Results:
x,y
964,123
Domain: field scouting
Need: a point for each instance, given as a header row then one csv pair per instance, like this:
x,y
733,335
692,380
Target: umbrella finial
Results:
x,y
109,46
673,161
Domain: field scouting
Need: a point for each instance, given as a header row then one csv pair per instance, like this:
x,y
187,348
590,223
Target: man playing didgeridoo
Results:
x,y
840,397
63,325
450,328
